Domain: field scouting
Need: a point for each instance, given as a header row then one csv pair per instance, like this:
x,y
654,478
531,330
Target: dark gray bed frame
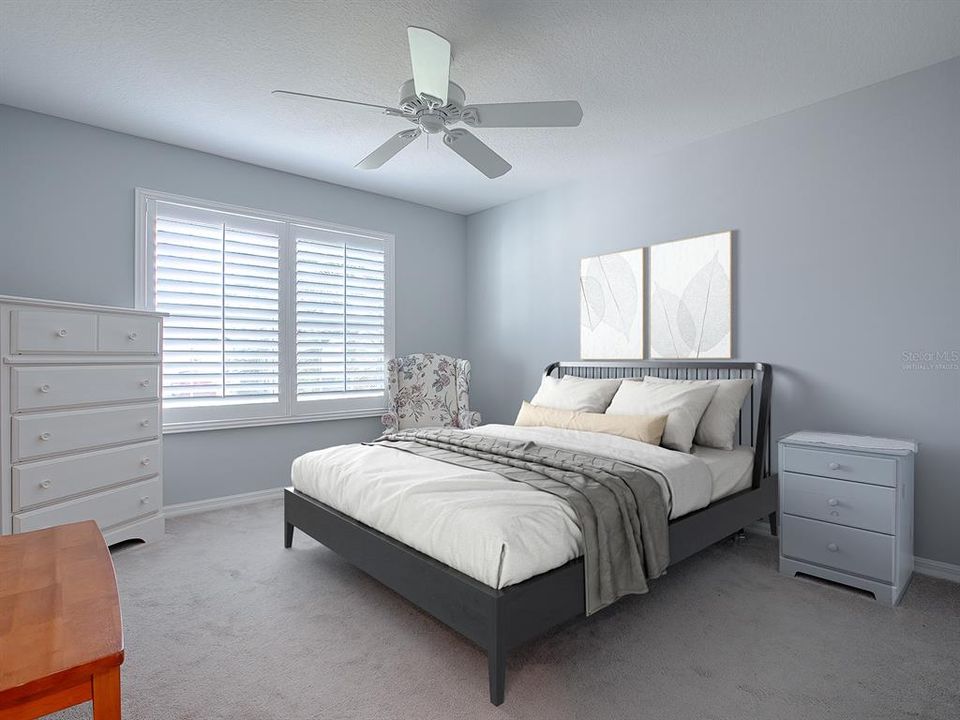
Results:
x,y
500,620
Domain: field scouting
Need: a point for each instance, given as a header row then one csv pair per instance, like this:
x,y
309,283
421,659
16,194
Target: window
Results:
x,y
271,318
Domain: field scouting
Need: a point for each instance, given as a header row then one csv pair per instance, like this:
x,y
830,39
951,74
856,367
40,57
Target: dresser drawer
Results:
x,y
861,552
53,331
129,334
108,508
52,433
36,388
48,480
869,507
840,465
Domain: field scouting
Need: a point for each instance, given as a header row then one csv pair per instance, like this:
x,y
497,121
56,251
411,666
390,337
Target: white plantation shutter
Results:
x,y
218,277
340,312
270,319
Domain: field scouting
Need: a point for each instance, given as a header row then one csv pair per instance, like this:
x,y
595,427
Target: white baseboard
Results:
x,y
937,569
188,508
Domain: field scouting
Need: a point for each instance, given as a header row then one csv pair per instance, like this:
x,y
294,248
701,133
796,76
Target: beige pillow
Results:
x,y
645,428
682,404
574,393
718,426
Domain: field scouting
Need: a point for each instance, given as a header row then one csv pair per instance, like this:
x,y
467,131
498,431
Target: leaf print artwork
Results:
x,y
611,306
690,304
591,302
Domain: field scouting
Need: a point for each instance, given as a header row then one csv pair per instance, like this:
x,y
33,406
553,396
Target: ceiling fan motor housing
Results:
x,y
432,118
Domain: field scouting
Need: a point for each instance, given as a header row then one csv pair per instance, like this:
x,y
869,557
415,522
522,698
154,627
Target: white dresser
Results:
x,y
846,511
80,416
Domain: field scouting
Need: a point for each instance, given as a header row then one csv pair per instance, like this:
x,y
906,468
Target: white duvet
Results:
x,y
495,530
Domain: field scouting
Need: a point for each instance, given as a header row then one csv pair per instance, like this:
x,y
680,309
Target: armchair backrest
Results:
x,y
428,390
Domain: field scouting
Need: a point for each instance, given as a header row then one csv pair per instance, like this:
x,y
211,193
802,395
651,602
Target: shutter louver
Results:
x,y
217,275
340,312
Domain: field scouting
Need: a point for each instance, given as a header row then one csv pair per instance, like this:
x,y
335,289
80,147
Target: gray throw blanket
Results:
x,y
619,506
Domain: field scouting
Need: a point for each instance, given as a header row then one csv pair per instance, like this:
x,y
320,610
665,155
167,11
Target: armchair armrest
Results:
x,y
468,419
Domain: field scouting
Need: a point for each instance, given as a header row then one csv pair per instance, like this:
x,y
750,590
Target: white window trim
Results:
x,y
288,410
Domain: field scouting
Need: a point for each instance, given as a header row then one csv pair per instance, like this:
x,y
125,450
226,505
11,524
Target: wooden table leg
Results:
x,y
106,695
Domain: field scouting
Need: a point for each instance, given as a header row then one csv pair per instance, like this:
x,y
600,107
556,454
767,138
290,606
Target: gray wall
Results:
x,y
847,255
67,211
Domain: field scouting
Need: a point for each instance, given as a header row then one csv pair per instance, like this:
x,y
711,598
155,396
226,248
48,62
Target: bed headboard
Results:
x,y
753,429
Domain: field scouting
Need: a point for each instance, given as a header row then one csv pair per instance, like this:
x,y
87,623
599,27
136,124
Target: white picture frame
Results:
x,y
691,298
612,306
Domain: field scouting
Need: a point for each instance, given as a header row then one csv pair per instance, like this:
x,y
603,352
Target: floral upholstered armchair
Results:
x,y
428,390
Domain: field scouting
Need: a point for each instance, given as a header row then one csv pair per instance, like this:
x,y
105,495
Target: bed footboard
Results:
x,y
498,621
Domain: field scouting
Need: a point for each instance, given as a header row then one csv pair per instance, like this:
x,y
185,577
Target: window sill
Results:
x,y
175,428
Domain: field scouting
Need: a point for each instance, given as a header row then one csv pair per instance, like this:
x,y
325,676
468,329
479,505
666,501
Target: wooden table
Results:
x,y
61,639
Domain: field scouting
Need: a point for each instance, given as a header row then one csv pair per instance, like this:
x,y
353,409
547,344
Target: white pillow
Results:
x,y
573,393
718,426
682,404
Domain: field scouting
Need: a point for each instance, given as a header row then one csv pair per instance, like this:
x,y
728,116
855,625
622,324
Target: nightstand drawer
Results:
x,y
840,465
869,507
862,552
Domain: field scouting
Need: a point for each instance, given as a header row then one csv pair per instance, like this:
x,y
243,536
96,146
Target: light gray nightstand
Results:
x,y
846,510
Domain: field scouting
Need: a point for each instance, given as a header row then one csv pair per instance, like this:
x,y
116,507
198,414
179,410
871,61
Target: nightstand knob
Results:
x,y
45,436
62,332
45,484
834,466
833,547
144,423
145,500
832,502
132,336
145,461
44,388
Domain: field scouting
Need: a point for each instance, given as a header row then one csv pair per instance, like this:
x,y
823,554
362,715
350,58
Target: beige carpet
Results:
x,y
221,622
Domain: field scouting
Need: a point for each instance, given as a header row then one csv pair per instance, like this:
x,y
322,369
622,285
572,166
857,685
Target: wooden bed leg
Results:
x,y
773,524
497,667
288,535
496,654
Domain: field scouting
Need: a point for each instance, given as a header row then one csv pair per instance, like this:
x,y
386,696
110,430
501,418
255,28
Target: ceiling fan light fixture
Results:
x,y
432,103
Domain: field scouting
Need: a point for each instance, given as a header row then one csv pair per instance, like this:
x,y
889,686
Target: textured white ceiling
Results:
x,y
650,75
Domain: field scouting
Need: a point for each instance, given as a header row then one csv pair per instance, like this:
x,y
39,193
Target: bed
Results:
x,y
517,570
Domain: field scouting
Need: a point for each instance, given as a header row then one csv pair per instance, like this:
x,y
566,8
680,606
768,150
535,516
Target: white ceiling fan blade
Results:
x,y
388,110
468,146
559,113
390,148
430,58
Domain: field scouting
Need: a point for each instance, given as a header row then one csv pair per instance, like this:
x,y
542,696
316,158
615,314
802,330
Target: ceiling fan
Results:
x,y
432,103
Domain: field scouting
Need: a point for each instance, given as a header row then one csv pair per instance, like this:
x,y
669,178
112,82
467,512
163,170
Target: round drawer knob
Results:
x,y
44,388
832,502
62,332
145,461
132,336
834,466
45,436
144,383
833,547
144,423
145,500
45,484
